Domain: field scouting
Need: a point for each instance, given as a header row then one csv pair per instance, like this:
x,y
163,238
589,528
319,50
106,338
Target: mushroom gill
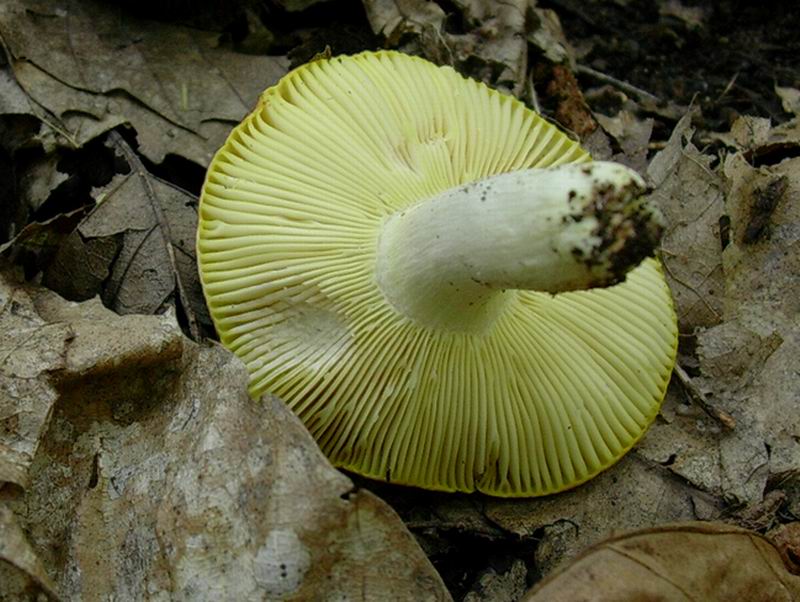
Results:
x,y
536,394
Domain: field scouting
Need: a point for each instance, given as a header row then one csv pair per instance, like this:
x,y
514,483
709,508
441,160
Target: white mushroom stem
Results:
x,y
447,261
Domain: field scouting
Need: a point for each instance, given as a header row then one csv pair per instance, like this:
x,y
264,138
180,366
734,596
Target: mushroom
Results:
x,y
444,287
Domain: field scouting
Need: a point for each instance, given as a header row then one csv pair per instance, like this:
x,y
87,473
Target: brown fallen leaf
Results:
x,y
493,47
790,99
395,18
94,67
750,362
22,576
691,197
135,249
787,540
571,108
157,477
631,134
690,561
31,349
748,353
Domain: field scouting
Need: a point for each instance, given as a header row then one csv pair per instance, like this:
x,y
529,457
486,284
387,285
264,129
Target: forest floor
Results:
x,y
109,116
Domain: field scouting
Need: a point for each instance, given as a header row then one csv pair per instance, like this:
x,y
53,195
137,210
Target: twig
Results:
x,y
729,87
530,92
696,395
624,86
138,167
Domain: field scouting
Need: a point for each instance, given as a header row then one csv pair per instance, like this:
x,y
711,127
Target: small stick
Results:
x,y
696,395
624,86
530,91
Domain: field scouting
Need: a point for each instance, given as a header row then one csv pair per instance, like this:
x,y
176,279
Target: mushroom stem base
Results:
x,y
449,261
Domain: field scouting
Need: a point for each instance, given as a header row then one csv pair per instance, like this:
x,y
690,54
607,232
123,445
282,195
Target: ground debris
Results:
x,y
150,479
652,565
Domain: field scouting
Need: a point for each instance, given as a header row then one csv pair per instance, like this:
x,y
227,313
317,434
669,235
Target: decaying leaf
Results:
x,y
22,576
121,249
41,239
158,477
571,111
748,359
21,121
40,180
495,586
790,99
31,349
632,135
94,70
692,561
747,134
690,195
633,494
395,18
13,101
493,48
498,40
751,362
787,540
547,36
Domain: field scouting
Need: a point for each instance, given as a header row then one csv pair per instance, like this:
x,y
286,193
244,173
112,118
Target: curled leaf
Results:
x,y
681,562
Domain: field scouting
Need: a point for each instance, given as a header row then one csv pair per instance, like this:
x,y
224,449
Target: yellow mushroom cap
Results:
x,y
555,391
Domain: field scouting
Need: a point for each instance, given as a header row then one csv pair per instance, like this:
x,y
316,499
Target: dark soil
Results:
x,y
727,61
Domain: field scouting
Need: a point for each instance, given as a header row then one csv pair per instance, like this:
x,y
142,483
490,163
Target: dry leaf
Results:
x,y
497,40
690,195
94,68
492,49
633,494
547,36
748,360
692,561
30,351
748,133
120,249
13,100
632,136
22,576
395,18
39,181
790,99
159,478
752,360
506,586
21,123
787,539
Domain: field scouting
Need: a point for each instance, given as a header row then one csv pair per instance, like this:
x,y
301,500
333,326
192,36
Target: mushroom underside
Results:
x,y
555,389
